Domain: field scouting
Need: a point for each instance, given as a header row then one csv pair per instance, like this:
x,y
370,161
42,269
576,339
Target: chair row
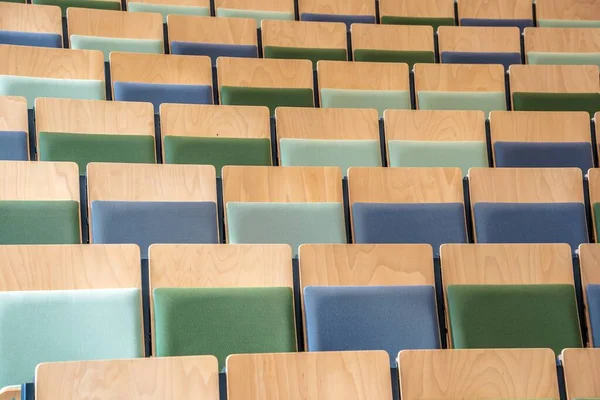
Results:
x,y
83,302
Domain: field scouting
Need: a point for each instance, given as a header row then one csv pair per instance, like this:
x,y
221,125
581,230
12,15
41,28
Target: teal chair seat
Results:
x,y
106,45
547,58
484,101
380,100
166,9
256,15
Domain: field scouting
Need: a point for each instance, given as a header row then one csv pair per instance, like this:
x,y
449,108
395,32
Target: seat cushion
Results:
x,y
593,304
52,40
166,9
544,155
434,223
392,318
162,93
434,22
346,19
566,23
483,101
13,146
146,223
70,325
548,58
289,223
301,53
223,321
589,102
513,316
531,223
380,100
64,4
109,44
466,57
269,97
408,57
213,50
257,15
39,222
519,23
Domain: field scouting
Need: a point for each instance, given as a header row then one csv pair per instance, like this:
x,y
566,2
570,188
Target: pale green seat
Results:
x,y
166,9
415,153
330,153
256,15
565,23
69,325
380,100
484,101
33,87
288,223
535,57
106,45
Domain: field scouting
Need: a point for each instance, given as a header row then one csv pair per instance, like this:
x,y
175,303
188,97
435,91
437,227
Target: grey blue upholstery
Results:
x,y
162,93
213,50
13,145
519,23
31,39
465,57
593,303
544,155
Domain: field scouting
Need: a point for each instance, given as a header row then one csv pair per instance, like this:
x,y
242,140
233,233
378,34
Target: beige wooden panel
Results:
x,y
42,62
392,37
30,18
154,378
115,24
362,75
10,393
594,189
423,8
478,374
582,372
562,40
282,184
405,185
94,116
554,78
312,35
188,28
256,5
480,39
589,261
434,125
190,3
567,9
337,7
495,9
459,78
69,267
357,375
265,73
525,185
13,113
34,180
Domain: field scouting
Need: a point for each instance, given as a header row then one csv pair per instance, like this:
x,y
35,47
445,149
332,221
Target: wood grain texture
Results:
x,y
10,393
114,24
480,39
308,35
459,78
190,3
568,9
282,184
357,375
495,9
187,28
589,264
554,78
44,62
434,125
594,193
562,40
69,267
30,18
362,75
13,113
582,369
423,8
34,180
478,374
265,73
337,7
154,378
392,37
257,5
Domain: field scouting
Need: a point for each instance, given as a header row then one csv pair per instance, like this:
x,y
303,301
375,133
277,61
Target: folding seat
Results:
x,y
555,88
580,369
528,205
359,375
292,205
590,282
67,303
213,37
262,82
426,12
136,379
568,13
562,46
304,40
148,203
160,78
522,139
30,25
171,7
258,10
386,43
510,296
109,31
346,11
594,192
460,87
435,138
14,129
221,300
336,137
478,374
85,131
114,5
367,297
517,13
33,72
407,205
215,135
39,203
364,85
480,45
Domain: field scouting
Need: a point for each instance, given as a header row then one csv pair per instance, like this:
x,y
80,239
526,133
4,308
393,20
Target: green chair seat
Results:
x,y
513,316
96,4
484,101
409,57
589,102
106,45
256,15
299,53
564,23
434,22
534,57
269,97
223,321
166,9
597,218
380,100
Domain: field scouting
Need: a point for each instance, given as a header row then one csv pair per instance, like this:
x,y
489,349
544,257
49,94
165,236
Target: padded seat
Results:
x,y
435,13
258,10
524,155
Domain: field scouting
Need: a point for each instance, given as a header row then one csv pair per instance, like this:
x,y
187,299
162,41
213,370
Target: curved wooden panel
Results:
x,y
495,9
582,369
362,75
257,5
337,7
423,8
34,180
554,78
392,37
459,78
114,24
10,393
265,73
567,10
312,35
187,28
434,125
562,40
13,113
30,18
480,39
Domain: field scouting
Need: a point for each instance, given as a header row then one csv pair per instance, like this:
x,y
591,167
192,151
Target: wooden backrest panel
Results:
x,y
257,5
362,75
562,40
554,78
392,37
135,379
13,113
115,24
30,18
495,9
480,39
478,374
312,35
539,126
459,78
188,28
424,8
582,369
337,7
359,375
34,180
265,73
434,125
567,10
